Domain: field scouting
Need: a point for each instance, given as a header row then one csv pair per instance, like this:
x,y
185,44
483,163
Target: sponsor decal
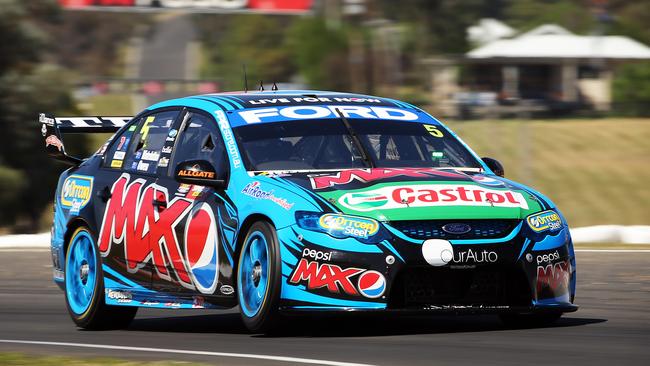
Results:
x,y
102,149
52,140
228,138
119,296
368,175
345,225
198,302
134,165
227,290
543,221
456,228
150,155
316,254
142,166
132,222
312,100
172,133
202,248
334,279
548,258
183,188
554,278
122,143
274,114
371,284
471,256
119,155
43,130
254,190
166,150
195,173
116,163
163,162
485,180
76,192
431,195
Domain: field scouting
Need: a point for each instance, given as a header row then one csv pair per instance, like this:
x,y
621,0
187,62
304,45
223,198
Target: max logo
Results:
x,y
554,277
148,234
369,175
370,284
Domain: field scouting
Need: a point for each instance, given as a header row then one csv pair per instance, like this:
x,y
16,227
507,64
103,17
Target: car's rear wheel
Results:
x,y
516,320
84,286
258,278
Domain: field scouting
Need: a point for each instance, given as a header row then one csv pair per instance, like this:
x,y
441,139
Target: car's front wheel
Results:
x,y
258,278
84,286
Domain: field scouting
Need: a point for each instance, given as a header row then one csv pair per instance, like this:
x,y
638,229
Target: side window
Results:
x,y
148,140
201,140
117,152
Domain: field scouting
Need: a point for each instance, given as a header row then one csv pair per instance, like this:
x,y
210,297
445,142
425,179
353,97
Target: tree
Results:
x,y
27,87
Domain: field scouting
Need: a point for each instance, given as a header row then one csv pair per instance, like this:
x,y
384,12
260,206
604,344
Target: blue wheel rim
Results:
x,y
252,274
80,272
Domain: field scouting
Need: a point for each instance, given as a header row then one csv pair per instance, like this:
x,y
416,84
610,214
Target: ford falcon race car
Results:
x,y
298,201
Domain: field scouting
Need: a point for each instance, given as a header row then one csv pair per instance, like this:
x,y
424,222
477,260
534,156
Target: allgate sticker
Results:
x,y
430,195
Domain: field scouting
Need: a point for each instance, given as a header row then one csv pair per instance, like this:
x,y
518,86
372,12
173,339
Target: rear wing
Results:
x,y
53,127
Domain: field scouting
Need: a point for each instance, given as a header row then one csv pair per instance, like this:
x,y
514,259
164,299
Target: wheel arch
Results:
x,y
243,230
72,225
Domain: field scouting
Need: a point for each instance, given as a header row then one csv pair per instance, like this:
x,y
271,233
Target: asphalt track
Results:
x,y
612,327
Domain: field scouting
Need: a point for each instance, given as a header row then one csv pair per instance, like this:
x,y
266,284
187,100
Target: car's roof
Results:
x,y
256,99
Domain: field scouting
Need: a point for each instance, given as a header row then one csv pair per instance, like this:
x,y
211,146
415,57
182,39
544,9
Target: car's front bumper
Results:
x,y
516,273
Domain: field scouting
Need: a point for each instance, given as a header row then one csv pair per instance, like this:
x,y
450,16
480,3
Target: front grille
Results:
x,y
426,286
432,229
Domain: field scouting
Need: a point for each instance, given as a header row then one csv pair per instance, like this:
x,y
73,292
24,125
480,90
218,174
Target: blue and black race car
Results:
x,y
298,201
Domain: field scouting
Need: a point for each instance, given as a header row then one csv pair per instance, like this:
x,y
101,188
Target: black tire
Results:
x,y
98,315
267,317
515,320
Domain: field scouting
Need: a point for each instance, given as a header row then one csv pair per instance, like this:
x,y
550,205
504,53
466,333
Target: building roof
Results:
x,y
553,41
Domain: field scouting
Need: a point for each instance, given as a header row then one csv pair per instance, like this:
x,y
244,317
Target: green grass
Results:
x,y
596,171
19,359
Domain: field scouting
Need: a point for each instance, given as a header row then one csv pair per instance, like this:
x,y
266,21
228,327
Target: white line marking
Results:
x,y
189,352
613,250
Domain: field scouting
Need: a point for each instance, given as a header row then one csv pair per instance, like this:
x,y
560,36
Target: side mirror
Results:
x,y
495,166
199,172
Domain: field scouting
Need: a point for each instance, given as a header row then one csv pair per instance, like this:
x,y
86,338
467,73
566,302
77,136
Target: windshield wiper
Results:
x,y
364,153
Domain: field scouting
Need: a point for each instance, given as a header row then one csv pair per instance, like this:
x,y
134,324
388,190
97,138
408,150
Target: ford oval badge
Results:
x,y
457,228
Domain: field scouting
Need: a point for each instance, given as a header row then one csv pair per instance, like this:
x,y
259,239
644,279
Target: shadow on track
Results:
x,y
342,326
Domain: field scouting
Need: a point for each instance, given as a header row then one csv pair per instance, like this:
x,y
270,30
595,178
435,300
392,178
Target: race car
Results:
x,y
286,202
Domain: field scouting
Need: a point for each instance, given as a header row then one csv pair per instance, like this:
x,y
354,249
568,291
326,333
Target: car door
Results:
x,y
208,231
129,200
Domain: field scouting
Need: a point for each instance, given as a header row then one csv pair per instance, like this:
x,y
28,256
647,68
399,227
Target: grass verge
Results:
x,y
596,171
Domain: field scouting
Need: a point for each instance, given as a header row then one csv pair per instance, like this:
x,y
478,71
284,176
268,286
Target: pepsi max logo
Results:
x,y
201,248
372,284
456,228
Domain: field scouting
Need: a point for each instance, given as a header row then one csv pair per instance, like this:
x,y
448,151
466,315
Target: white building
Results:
x,y
547,68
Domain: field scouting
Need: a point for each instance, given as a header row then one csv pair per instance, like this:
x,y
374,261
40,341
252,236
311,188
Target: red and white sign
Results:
x,y
288,6
431,195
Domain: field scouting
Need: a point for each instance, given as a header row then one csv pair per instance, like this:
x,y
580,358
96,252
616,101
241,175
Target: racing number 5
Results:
x,y
433,130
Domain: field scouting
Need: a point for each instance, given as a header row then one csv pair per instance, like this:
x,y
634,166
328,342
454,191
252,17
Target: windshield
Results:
x,y
327,144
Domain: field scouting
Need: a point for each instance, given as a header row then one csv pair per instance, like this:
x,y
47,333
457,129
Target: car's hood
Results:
x,y
418,193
